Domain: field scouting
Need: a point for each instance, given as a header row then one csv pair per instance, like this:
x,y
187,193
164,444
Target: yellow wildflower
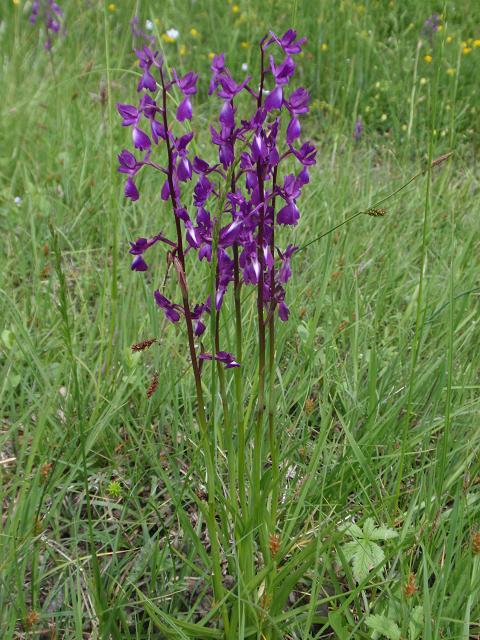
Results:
x,y
476,43
440,27
211,56
466,50
167,38
112,7
428,58
449,39
423,81
16,1
235,8
156,20
182,49
244,45
451,71
194,33
324,47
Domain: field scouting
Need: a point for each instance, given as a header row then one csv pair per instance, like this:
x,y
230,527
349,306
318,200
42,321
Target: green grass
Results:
x,y
378,396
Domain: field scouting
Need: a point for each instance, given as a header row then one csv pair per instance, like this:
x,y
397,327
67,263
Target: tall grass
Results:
x,y
378,369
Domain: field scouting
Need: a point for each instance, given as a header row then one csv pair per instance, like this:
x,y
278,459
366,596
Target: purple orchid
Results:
x,y
223,357
172,311
51,15
358,130
236,223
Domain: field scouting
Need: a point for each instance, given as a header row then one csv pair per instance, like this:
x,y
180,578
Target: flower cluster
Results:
x,y
51,15
239,199
431,26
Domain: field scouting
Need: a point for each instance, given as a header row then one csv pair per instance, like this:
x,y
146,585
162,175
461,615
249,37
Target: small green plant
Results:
x,y
363,551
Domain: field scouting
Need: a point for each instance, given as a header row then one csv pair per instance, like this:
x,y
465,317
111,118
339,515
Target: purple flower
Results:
x,y
431,25
140,139
230,88
202,190
197,313
141,245
227,115
214,224
139,264
51,16
224,141
284,71
147,59
289,214
293,130
184,111
298,101
171,310
128,163
358,130
131,190
222,356
258,148
283,311
129,113
274,99
187,84
285,270
287,41
306,154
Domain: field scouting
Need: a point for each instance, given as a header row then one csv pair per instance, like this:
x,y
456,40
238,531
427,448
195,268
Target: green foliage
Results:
x,y
363,551
383,627
369,432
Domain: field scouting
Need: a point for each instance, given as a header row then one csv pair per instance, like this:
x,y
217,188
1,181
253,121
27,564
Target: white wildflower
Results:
x,y
173,34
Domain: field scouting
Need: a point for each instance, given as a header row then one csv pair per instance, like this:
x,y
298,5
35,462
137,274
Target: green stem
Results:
x,y
271,376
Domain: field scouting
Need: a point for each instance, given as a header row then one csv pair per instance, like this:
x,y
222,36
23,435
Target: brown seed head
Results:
x,y
476,543
152,387
343,325
376,213
410,587
31,619
274,544
45,471
309,406
145,344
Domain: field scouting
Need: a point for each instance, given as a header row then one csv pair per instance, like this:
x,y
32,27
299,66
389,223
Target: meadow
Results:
x,y
102,477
